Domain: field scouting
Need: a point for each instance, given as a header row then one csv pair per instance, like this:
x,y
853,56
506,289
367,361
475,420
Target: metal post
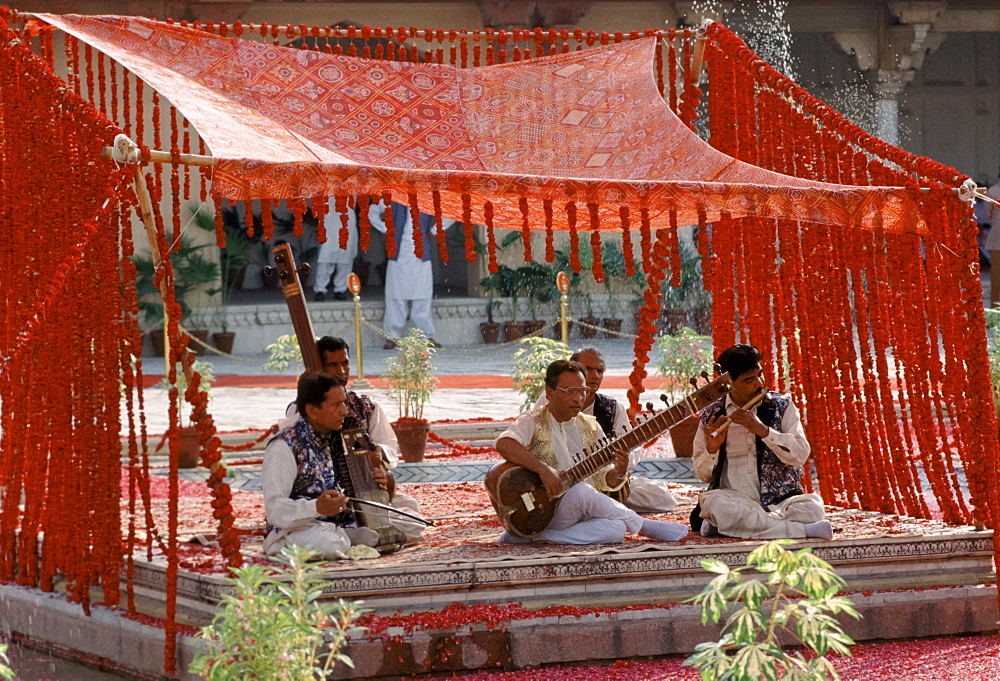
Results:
x,y
354,285
562,281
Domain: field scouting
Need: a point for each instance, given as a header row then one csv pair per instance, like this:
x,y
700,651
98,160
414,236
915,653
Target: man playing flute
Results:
x,y
753,465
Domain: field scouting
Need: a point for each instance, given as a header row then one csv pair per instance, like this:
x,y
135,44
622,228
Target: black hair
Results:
x,y
738,360
313,387
331,344
560,367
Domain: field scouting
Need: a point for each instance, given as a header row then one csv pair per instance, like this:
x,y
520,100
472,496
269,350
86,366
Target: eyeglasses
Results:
x,y
582,392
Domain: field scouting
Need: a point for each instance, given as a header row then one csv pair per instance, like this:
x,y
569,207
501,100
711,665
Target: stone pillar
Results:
x,y
890,54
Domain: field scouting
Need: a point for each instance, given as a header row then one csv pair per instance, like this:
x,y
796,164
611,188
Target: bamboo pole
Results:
x,y
127,150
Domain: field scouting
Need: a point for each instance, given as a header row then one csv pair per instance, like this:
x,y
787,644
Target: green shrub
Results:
x,y
275,627
799,591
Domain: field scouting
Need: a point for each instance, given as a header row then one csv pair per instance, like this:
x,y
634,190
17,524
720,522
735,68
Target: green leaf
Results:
x,y
713,565
744,625
755,662
751,591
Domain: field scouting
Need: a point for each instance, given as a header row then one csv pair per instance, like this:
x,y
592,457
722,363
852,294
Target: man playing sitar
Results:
x,y
546,441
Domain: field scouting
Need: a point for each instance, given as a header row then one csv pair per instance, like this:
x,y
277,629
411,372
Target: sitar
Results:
x,y
356,471
518,496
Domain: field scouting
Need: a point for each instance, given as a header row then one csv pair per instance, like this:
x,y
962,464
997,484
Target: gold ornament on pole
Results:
x,y
354,286
562,281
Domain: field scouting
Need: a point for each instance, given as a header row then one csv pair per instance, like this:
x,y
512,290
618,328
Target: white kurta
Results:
x,y
735,507
584,515
646,496
408,279
298,519
334,260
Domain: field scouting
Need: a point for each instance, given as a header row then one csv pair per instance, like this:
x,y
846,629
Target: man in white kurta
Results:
x,y
645,495
753,468
409,280
546,439
303,502
365,413
334,260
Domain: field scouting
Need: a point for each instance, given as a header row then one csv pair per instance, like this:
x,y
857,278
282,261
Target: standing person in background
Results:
x,y
409,280
334,260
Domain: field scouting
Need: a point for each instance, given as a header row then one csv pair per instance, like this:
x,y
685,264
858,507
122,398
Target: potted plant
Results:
x,y
683,355
509,286
410,383
193,273
534,278
187,435
490,329
530,362
614,274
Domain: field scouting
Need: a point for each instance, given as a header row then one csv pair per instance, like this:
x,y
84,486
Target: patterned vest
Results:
x,y
399,214
314,456
541,439
605,410
359,411
778,480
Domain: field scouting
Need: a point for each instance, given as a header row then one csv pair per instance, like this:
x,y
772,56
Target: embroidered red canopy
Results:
x,y
589,127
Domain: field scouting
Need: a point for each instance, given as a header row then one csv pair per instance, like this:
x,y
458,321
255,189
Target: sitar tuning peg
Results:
x,y
693,381
303,269
704,374
664,398
649,406
269,271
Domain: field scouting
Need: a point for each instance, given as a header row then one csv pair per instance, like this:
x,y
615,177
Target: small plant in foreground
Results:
x,y
274,627
800,591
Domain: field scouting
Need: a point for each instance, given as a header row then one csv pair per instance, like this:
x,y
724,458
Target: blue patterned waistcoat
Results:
x,y
315,457
399,214
605,410
778,480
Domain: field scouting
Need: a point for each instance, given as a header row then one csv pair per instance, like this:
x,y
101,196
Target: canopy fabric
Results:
x,y
589,127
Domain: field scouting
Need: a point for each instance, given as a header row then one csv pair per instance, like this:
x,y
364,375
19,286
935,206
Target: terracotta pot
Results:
x,y
612,325
673,320
224,341
533,327
587,331
187,448
513,330
411,434
682,437
490,331
195,347
702,320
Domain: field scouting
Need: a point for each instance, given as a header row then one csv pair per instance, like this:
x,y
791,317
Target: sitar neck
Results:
x,y
291,287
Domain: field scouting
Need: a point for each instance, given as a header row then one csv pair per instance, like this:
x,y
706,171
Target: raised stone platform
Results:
x,y
908,586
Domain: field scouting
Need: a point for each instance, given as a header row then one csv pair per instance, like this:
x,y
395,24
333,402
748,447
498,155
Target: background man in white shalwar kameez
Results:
x,y
408,279
334,260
